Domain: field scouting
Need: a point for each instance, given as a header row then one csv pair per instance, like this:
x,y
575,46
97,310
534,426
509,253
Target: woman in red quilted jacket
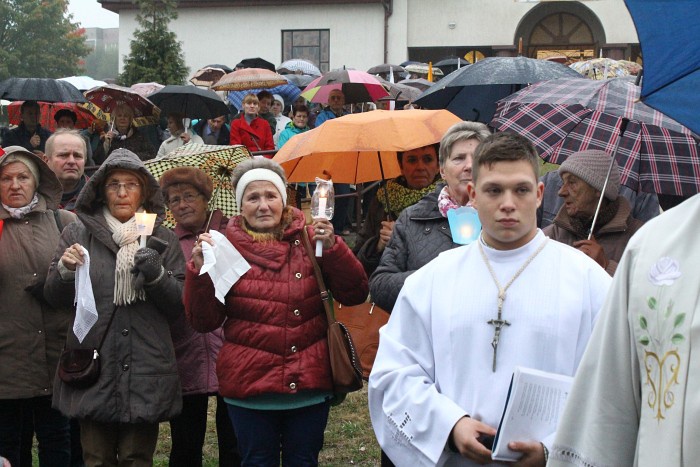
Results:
x,y
273,368
251,130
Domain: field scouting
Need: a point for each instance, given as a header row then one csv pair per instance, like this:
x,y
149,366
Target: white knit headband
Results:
x,y
256,175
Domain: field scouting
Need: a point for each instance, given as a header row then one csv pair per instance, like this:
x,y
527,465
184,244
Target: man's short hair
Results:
x,y
265,94
461,131
505,147
64,131
28,104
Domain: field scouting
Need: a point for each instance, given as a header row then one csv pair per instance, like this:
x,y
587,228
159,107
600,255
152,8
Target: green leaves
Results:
x,y
155,55
678,320
38,39
644,340
677,339
651,302
643,322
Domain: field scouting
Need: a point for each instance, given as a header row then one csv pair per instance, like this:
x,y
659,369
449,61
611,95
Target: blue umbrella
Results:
x,y
289,93
669,33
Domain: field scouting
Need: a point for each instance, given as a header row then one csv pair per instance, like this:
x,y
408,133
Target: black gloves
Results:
x,y
148,266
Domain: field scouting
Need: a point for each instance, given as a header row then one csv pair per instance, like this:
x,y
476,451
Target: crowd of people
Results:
x,y
74,274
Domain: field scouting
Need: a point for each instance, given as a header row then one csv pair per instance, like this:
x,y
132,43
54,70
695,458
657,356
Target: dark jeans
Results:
x,y
52,431
297,433
187,432
343,208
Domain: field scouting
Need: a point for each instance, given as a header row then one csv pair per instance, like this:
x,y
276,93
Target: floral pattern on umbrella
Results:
x,y
106,98
655,153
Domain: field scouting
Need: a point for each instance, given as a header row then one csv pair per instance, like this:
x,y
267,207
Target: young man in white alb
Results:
x,y
463,322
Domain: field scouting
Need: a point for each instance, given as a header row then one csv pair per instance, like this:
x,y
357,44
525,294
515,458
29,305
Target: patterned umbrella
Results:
x,y
601,68
357,86
298,65
103,99
655,153
217,161
289,93
249,78
207,76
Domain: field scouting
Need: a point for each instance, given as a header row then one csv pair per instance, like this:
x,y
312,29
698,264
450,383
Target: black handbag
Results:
x,y
80,368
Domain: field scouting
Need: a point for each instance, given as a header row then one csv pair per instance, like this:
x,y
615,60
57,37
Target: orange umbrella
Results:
x,y
360,148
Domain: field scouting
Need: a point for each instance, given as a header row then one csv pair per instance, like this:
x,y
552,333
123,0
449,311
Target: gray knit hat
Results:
x,y
592,166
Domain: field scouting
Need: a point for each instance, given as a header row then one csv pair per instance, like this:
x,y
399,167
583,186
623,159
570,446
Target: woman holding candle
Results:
x,y
273,369
137,294
422,231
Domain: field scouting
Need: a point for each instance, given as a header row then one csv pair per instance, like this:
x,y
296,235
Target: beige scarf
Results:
x,y
124,235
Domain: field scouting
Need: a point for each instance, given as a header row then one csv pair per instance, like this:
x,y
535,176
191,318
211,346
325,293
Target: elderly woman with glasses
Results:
x,y
274,367
422,231
137,295
187,191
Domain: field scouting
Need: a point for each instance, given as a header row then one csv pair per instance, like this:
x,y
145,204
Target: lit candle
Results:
x,y
144,226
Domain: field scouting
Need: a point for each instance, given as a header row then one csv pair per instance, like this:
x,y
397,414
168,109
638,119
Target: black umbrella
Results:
x,y
227,69
256,62
191,101
472,92
39,89
449,65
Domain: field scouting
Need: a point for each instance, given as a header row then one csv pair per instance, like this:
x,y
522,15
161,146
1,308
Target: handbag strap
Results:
x,y
325,295
104,336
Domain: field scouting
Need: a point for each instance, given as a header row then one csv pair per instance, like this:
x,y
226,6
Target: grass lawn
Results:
x,y
349,438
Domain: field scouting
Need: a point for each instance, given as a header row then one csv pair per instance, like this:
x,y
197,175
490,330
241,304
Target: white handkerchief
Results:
x,y
224,264
86,309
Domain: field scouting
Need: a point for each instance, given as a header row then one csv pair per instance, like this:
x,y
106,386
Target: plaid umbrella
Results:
x,y
289,93
217,161
655,154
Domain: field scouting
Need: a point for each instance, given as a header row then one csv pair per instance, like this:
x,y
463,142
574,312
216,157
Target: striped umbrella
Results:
x,y
655,153
358,86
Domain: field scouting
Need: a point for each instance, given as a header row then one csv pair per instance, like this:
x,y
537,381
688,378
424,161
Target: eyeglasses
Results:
x,y
130,187
188,198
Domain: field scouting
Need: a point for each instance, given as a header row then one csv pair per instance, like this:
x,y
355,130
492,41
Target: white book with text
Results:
x,y
535,401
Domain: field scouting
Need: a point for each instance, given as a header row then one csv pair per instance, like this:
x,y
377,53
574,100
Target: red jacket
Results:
x,y
256,137
274,321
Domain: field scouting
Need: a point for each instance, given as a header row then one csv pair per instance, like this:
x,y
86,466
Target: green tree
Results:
x,y
38,39
103,63
156,55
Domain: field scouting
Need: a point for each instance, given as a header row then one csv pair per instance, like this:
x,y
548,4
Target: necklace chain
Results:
x,y
499,322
